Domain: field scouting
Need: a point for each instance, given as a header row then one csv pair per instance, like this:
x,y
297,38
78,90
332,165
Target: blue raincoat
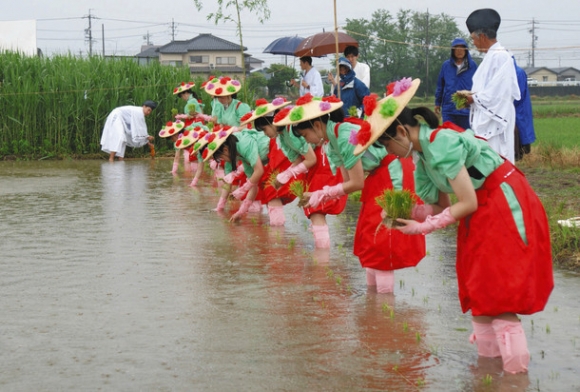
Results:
x,y
453,78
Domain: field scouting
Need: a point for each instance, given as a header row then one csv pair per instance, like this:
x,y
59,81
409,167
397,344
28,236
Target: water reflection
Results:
x,y
120,274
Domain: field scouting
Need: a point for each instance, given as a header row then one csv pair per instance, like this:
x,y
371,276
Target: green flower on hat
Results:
x,y
297,113
388,108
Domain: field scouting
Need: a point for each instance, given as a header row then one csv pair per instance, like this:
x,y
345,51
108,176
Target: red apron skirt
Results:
x,y
497,272
317,177
277,163
375,245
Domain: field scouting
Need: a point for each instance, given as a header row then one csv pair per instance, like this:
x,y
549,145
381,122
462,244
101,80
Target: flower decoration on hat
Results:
x,y
381,114
362,135
191,135
307,108
222,87
172,128
263,107
216,138
184,86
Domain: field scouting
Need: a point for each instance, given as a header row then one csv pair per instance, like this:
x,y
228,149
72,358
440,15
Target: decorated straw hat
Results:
x,y
222,87
307,108
191,135
172,128
215,139
184,86
381,114
262,109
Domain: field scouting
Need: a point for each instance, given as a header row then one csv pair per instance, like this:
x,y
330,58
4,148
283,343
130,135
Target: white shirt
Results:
x,y
314,80
363,73
495,87
125,126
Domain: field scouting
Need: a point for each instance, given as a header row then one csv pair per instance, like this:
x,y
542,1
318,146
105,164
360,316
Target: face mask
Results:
x,y
416,157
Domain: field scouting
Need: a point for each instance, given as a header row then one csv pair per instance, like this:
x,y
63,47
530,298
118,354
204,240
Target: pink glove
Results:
x,y
292,171
221,204
174,169
326,193
229,178
193,182
432,223
420,212
213,164
243,209
241,191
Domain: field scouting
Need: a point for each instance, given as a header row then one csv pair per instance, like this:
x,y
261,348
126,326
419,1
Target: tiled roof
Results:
x,y
225,69
150,51
203,42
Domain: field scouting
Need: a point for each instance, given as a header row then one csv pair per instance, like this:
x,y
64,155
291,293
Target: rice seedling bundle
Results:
x,y
396,204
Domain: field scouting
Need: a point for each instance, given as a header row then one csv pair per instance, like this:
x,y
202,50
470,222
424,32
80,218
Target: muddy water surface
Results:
x,y
120,277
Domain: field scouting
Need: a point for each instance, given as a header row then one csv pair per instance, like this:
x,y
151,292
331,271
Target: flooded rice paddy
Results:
x,y
121,277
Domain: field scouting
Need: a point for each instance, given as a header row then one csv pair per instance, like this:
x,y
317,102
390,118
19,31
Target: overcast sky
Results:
x,y
61,24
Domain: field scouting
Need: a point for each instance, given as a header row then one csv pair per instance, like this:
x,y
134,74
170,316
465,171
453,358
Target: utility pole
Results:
x,y
427,54
147,38
89,32
534,39
103,36
172,30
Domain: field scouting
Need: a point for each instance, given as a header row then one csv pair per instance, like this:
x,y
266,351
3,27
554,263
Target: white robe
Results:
x,y
495,87
125,126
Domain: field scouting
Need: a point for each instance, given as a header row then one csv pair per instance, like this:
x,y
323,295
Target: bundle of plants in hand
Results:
x,y
298,188
459,98
397,204
272,178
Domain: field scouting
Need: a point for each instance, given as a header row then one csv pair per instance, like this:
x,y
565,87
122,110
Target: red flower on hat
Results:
x,y
204,83
281,114
218,91
364,134
303,100
331,99
261,102
246,116
211,77
370,103
210,137
225,80
205,152
390,88
169,123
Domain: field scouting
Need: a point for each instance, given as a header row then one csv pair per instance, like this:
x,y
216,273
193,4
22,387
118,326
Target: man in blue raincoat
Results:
x,y
525,133
456,74
352,90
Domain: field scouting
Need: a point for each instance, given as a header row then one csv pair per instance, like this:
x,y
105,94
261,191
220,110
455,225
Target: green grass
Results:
x,y
558,132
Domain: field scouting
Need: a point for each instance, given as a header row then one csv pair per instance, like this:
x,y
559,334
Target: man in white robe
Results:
x,y
495,85
125,126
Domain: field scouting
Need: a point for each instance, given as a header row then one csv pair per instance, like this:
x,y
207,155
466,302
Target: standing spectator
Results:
x,y
524,132
495,85
362,70
456,74
125,126
352,90
310,80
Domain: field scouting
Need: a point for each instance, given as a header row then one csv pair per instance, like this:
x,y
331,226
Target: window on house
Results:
x,y
175,63
225,60
199,59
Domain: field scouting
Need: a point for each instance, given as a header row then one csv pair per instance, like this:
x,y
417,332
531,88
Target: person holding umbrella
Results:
x,y
310,80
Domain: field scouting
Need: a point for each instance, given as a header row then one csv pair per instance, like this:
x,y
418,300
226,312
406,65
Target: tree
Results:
x,y
258,7
410,44
257,85
280,74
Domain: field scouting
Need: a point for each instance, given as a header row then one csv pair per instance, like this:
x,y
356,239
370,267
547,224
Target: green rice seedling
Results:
x,y
396,204
405,326
548,330
385,308
352,111
298,188
487,379
426,300
392,314
329,273
401,283
555,308
272,179
420,382
338,279
412,292
459,98
291,243
418,337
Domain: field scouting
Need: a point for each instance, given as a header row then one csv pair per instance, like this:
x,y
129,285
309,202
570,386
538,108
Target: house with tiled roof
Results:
x,y
204,55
